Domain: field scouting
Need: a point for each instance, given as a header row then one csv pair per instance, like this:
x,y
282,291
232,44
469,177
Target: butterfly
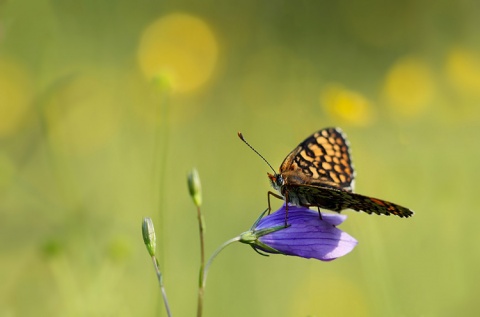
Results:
x,y
319,173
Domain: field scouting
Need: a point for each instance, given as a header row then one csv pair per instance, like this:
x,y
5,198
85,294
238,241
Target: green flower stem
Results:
x,y
204,273
201,290
212,257
160,283
201,230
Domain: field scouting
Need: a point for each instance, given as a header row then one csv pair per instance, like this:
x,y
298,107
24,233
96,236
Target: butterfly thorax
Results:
x,y
281,181
295,185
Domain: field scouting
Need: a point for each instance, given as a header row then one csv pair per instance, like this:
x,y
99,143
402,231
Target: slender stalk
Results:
x,y
204,273
212,257
201,229
160,283
201,290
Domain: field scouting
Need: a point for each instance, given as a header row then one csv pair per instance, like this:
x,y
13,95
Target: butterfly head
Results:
x,y
276,180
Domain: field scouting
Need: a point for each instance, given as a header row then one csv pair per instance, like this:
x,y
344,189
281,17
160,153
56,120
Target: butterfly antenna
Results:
x,y
240,135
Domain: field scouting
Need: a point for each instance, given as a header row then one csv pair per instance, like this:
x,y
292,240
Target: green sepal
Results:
x,y
251,237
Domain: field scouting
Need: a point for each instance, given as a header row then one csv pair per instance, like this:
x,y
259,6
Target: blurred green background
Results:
x,y
106,105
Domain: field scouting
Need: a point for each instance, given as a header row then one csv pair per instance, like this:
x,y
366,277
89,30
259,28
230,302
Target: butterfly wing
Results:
x,y
324,157
337,200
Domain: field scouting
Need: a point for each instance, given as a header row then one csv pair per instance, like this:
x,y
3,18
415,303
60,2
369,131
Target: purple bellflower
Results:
x,y
306,236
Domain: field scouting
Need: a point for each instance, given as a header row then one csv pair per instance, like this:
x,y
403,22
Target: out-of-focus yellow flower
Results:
x,y
180,50
347,106
15,96
82,115
463,70
409,87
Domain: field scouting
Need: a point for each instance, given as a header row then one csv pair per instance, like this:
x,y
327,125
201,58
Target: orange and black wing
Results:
x,y
338,200
325,158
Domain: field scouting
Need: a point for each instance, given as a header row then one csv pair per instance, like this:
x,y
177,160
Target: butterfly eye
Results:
x,y
279,180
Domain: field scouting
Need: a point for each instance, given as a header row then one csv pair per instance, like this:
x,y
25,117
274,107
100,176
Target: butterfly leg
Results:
x,y
268,198
286,209
319,213
282,198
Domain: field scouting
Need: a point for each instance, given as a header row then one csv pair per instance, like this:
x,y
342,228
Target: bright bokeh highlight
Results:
x,y
409,86
180,49
463,70
347,106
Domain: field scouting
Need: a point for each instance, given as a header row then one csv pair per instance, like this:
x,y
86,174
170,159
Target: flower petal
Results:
x,y
307,235
296,211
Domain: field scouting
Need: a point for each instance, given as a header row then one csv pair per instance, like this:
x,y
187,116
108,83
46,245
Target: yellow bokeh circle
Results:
x,y
180,49
463,70
347,106
409,86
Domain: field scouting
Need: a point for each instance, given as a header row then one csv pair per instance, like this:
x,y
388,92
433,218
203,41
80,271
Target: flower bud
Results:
x,y
195,187
148,232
